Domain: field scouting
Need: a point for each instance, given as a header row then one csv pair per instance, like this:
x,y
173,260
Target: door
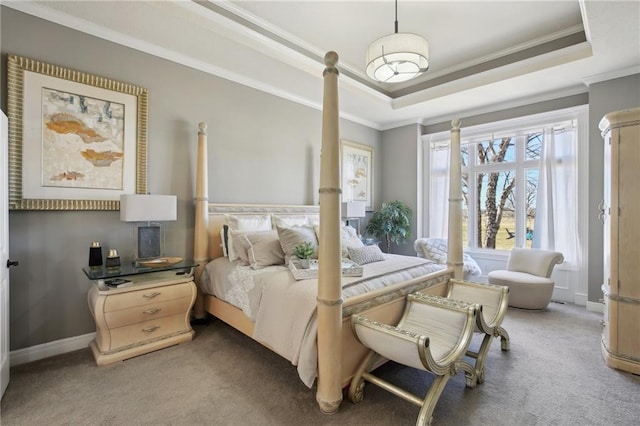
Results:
x,y
4,257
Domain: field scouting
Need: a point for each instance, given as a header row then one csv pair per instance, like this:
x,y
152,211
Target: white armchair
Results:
x,y
528,277
435,249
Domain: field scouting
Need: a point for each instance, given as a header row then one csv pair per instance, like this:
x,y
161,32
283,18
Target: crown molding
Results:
x,y
623,72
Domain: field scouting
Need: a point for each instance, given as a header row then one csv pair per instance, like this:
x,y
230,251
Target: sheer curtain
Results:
x,y
439,191
556,225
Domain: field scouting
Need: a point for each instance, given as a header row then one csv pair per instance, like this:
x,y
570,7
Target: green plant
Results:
x,y
393,222
304,251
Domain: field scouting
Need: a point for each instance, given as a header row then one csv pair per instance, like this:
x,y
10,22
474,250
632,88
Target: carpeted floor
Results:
x,y
553,375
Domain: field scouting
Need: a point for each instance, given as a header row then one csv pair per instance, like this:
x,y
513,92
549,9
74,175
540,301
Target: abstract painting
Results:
x,y
77,141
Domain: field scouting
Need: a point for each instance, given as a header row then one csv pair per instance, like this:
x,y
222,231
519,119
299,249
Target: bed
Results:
x,y
308,321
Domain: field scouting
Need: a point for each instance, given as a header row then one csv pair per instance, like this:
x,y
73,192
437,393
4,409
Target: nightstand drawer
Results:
x,y
148,330
148,296
138,314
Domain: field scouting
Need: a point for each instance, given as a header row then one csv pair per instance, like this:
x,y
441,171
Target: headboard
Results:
x,y
217,211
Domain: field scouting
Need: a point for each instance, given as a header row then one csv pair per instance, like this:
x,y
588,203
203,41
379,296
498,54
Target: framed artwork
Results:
x,y
76,141
357,173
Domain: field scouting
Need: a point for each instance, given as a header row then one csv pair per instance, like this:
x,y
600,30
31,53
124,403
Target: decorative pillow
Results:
x,y
470,266
248,223
366,254
291,236
432,248
291,220
260,249
435,249
350,240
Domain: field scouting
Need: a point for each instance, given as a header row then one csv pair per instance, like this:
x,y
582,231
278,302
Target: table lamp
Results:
x,y
352,211
148,211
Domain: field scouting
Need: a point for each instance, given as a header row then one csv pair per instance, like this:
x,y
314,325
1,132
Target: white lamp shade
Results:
x,y
353,209
397,57
148,208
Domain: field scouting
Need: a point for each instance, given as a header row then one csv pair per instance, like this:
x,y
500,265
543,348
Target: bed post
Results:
x,y
201,234
329,394
454,248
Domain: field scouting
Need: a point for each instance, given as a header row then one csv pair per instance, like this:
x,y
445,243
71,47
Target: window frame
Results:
x,y
519,125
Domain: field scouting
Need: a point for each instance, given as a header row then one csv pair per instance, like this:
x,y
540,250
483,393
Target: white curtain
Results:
x,y
556,225
439,191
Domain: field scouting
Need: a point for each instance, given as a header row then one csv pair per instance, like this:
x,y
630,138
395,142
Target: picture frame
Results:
x,y
357,173
76,141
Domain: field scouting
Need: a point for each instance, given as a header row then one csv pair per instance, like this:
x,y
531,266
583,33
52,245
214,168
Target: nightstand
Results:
x,y
151,310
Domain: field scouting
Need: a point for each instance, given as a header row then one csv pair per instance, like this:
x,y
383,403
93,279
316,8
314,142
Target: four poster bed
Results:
x,y
308,321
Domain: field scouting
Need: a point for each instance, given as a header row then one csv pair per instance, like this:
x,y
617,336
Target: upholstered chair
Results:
x,y
528,276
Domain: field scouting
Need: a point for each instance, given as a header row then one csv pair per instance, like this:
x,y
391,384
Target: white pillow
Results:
x,y
248,223
289,220
348,239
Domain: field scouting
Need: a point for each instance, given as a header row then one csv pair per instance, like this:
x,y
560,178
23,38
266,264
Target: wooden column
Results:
x,y
329,395
454,248
201,237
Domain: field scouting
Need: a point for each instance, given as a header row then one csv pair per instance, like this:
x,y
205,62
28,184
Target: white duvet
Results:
x,y
283,309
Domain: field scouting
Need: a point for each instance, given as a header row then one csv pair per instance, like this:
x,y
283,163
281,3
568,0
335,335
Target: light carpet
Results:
x,y
553,375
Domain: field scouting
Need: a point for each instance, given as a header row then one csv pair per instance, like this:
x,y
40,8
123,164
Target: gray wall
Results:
x,y
604,97
262,149
400,169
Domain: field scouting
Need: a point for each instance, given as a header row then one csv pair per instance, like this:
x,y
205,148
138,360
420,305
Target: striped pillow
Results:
x,y
366,254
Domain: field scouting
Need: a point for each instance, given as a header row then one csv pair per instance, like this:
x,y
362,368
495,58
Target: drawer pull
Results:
x,y
151,328
152,295
152,311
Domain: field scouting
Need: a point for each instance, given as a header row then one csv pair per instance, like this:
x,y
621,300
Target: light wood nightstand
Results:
x,y
150,311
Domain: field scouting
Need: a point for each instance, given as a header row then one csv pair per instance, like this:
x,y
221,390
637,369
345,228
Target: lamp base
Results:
x,y
149,241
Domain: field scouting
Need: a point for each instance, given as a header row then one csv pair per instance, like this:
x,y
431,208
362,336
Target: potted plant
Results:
x,y
393,222
304,252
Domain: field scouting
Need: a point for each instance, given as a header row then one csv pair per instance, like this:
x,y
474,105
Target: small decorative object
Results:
x,y
95,255
113,260
304,252
393,222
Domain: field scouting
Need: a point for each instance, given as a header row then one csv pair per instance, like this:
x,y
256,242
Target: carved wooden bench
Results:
x,y
433,335
492,301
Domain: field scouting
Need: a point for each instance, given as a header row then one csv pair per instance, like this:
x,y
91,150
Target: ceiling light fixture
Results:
x,y
397,57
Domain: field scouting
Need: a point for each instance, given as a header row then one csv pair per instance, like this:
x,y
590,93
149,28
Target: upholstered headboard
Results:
x,y
217,214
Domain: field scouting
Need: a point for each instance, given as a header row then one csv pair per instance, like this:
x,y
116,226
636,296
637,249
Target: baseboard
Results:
x,y
45,350
595,307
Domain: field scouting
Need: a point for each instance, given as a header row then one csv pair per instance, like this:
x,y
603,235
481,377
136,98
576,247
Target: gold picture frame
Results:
x,y
76,141
357,162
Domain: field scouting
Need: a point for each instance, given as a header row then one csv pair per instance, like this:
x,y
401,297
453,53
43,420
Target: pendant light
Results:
x,y
397,57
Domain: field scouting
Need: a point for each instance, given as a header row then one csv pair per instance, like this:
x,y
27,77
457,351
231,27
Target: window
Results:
x,y
519,179
500,179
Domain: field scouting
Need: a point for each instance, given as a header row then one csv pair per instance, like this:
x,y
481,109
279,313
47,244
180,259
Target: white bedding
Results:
x,y
283,309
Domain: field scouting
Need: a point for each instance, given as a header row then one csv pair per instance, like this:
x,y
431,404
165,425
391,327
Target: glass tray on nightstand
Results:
x,y
104,275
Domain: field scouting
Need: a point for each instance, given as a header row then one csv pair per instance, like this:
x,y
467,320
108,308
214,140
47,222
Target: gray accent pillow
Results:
x,y
366,254
261,249
291,236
